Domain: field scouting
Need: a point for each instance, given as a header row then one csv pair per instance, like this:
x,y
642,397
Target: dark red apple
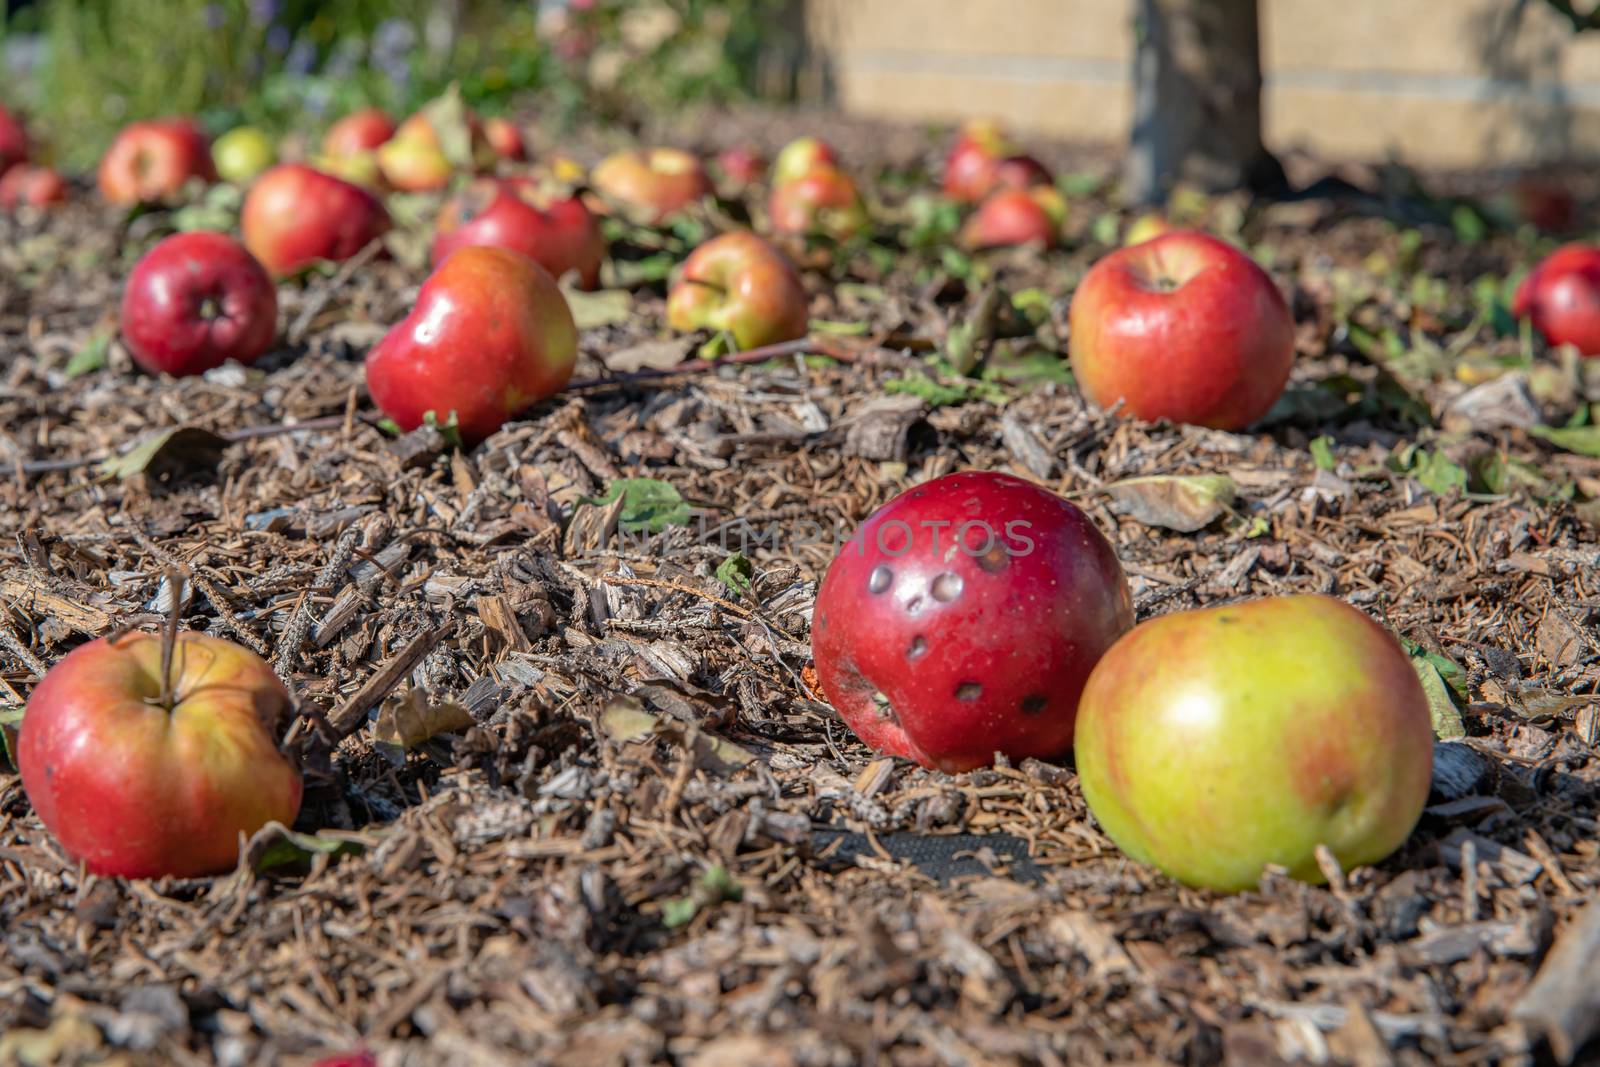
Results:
x,y
13,141
1183,327
26,185
361,131
150,161
295,215
963,618
1562,298
561,235
141,779
490,336
195,301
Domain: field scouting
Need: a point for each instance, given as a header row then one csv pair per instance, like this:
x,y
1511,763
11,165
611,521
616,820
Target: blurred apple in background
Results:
x,y
824,202
25,185
151,161
294,216
651,185
560,234
242,153
739,283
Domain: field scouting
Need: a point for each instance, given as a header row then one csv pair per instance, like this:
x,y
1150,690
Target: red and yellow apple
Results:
x,y
741,165
195,301
25,185
739,283
1183,327
651,185
824,202
559,234
414,164
983,159
358,132
1212,743
800,157
141,779
506,140
294,216
151,161
1016,217
1561,296
490,336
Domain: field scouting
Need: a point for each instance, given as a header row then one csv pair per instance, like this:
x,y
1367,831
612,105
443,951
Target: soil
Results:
x,y
572,799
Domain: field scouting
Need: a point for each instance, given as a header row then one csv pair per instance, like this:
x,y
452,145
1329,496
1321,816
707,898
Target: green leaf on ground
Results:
x,y
1441,708
94,354
736,572
10,723
712,888
648,504
275,845
603,307
178,446
1583,440
1322,453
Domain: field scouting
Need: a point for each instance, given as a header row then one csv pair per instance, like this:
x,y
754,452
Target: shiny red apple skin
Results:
x,y
490,336
1561,296
358,132
13,141
739,283
560,236
803,156
824,202
295,215
25,185
1011,217
135,790
976,604
195,301
1183,327
653,184
1214,742
506,140
152,161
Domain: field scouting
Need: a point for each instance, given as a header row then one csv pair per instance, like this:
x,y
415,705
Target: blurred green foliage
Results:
x,y
298,64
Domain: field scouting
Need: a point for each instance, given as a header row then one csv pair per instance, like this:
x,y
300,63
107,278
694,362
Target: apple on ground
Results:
x,y
1183,327
13,141
490,336
195,301
414,164
25,185
824,202
741,165
1544,203
1561,296
360,168
802,156
151,161
242,153
963,618
651,185
294,216
739,283
1212,743
560,234
357,133
143,770
506,140
1146,228
983,159
1012,217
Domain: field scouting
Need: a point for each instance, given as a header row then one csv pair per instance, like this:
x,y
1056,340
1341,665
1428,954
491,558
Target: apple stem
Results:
x,y
169,633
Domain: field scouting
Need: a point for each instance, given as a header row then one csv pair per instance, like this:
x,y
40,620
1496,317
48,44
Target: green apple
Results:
x,y
242,153
1212,743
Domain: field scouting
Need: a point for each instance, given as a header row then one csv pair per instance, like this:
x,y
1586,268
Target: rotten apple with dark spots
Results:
x,y
1212,743
963,618
195,301
558,233
490,336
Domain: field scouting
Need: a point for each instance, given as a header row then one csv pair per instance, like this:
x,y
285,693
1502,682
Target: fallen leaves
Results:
x,y
1185,503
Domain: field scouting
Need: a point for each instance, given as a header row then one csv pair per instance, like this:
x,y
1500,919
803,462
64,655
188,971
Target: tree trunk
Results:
x,y
1197,100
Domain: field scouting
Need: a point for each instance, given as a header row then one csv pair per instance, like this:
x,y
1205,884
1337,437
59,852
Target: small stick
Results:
x,y
169,634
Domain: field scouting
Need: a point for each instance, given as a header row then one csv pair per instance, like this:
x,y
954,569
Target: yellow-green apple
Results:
x,y
242,153
294,216
490,336
558,233
1212,743
13,141
800,157
195,301
356,133
651,185
143,771
360,168
1561,296
150,161
1146,228
963,618
25,185
1016,217
824,201
414,164
739,283
1183,327
506,140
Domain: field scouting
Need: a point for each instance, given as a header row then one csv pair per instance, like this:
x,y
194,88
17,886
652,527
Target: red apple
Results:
x,y
195,301
1214,742
26,185
1562,298
561,235
13,141
414,164
741,165
651,185
141,780
984,159
739,283
358,132
294,216
490,336
1021,172
963,619
1184,327
800,157
150,161
506,140
1544,203
824,202
1016,217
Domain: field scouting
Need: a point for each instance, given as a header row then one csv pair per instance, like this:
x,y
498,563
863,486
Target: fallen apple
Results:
x,y
152,161
25,185
195,301
739,283
984,159
13,141
741,165
651,185
242,153
1183,327
358,132
294,216
1212,743
1561,297
490,336
145,765
800,157
1016,217
560,235
962,619
506,140
414,164
824,202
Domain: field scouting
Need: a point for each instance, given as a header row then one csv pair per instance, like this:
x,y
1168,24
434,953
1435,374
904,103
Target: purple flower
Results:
x,y
262,12
278,38
301,58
